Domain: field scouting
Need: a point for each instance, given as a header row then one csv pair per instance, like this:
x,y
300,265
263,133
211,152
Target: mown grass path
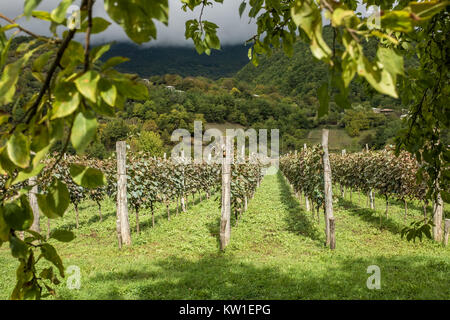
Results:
x,y
276,252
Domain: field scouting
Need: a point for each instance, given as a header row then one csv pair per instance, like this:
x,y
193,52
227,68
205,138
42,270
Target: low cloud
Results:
x,y
232,28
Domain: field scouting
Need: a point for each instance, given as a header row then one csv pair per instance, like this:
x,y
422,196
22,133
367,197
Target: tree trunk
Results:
x,y
178,199
308,208
122,203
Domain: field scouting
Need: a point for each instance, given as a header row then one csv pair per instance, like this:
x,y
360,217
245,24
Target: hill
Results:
x,y
301,75
184,61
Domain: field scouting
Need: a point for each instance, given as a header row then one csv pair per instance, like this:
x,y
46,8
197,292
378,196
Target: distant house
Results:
x,y
379,110
172,88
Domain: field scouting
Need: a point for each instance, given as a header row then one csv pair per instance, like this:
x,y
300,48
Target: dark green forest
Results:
x,y
184,61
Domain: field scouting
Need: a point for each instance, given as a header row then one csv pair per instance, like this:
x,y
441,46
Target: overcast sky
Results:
x,y
232,29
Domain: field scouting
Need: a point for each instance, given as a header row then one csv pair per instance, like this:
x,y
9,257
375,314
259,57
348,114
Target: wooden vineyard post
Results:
x,y
225,222
34,205
446,231
332,234
329,218
122,205
342,188
308,208
438,207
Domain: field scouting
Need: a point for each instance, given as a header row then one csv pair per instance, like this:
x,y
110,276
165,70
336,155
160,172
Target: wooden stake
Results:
x,y
122,204
328,185
446,231
34,205
225,223
438,207
332,234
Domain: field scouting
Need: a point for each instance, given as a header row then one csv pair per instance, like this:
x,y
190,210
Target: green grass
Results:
x,y
276,252
338,139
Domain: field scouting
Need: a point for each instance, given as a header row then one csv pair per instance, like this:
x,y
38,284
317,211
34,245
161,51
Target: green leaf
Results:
x,y
8,81
86,177
56,201
112,62
30,5
242,8
392,62
59,14
42,61
50,254
83,131
4,227
379,79
97,52
18,149
98,25
62,235
108,92
67,100
74,54
87,85
397,20
19,249
47,273
132,89
136,17
28,173
306,15
18,214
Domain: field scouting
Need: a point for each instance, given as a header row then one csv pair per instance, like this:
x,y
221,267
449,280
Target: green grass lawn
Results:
x,y
276,252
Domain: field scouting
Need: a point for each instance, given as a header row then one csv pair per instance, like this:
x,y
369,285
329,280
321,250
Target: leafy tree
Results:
x,y
149,142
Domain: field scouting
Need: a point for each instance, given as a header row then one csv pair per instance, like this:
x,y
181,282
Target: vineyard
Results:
x,y
277,239
370,173
150,180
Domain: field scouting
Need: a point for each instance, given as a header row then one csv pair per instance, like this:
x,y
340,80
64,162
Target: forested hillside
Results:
x,y
184,61
256,98
301,75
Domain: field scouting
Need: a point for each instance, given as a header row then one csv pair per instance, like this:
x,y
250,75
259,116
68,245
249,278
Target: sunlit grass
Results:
x,y
276,252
